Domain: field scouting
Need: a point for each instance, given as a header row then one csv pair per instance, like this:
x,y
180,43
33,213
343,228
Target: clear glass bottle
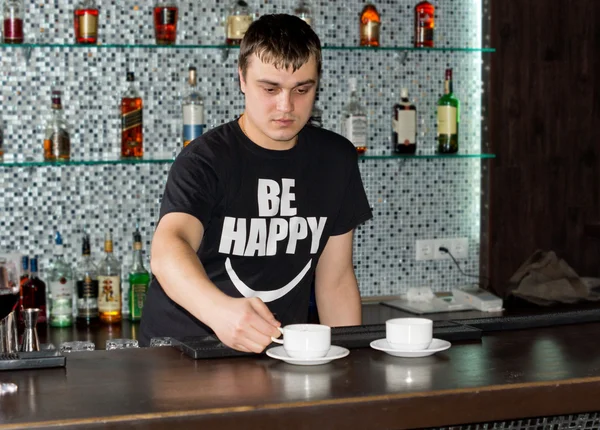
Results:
x,y
424,24
354,120
370,23
238,21
132,121
34,292
448,118
87,285
404,125
165,21
139,278
303,11
85,21
193,110
57,140
61,286
13,12
109,284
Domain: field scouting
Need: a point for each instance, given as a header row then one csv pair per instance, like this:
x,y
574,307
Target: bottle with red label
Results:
x,y
86,22
165,21
12,21
61,288
424,24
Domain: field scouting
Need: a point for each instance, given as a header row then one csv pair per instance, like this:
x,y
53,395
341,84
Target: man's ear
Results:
x,y
242,81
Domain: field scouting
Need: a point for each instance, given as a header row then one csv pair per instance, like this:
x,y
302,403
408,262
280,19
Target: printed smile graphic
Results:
x,y
265,296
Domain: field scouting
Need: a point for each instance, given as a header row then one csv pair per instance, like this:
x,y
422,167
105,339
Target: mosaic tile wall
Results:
x,y
412,199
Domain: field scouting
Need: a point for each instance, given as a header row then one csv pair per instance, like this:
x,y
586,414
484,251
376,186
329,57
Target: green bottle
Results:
x,y
139,278
448,118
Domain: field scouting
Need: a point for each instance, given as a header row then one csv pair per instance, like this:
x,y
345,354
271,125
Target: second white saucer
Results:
x,y
335,352
436,345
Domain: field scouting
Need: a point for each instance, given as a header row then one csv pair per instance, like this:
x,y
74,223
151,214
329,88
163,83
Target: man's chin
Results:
x,y
284,135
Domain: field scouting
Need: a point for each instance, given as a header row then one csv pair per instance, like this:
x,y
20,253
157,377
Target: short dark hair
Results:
x,y
282,40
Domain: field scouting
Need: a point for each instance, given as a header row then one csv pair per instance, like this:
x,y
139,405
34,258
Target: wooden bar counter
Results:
x,y
508,375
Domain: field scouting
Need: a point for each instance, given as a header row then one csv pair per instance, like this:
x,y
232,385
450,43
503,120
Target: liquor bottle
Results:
x,y
132,121
165,21
238,21
404,125
316,117
109,284
139,278
354,120
370,21
57,142
22,281
60,280
87,285
85,20
34,292
304,12
448,118
193,110
424,24
12,13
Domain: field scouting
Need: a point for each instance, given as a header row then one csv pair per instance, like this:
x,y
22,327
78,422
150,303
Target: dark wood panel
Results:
x,y
509,375
545,111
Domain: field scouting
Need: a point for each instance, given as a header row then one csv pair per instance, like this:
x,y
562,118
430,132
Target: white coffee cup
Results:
x,y
409,334
305,340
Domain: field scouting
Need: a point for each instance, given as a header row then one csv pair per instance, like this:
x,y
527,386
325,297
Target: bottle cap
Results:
x,y
58,244
130,77
25,263
352,84
448,74
56,99
34,265
404,93
85,249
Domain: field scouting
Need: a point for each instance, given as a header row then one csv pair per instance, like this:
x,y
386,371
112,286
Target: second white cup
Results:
x,y
409,334
305,340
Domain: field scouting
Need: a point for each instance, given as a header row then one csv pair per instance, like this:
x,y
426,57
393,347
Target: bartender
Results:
x,y
257,208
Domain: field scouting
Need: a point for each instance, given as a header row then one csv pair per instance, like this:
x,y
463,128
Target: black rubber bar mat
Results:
x,y
533,321
351,337
31,360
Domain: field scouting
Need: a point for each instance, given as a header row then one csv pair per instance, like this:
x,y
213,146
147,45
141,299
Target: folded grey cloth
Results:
x,y
545,279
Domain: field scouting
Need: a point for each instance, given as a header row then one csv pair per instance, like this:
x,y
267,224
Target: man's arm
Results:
x,y
336,289
243,324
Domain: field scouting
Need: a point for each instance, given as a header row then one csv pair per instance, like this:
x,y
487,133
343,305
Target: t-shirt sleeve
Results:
x,y
191,187
355,208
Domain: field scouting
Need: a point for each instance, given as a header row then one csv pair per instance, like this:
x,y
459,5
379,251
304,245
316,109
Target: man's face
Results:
x,y
278,102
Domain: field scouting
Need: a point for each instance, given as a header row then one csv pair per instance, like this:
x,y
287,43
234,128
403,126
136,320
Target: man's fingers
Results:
x,y
265,314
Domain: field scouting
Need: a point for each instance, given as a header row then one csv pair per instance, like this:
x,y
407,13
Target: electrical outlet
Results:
x,y
425,249
459,247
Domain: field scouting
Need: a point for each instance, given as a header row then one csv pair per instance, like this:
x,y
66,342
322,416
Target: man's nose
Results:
x,y
285,102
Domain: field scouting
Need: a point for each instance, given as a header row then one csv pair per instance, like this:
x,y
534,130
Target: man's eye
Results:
x,y
301,90
270,90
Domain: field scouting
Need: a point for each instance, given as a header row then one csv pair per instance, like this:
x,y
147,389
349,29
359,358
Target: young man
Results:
x,y
255,208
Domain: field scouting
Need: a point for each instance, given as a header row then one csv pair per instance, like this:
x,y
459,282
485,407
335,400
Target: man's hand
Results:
x,y
244,324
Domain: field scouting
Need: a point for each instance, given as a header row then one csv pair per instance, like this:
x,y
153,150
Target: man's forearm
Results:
x,y
339,305
182,276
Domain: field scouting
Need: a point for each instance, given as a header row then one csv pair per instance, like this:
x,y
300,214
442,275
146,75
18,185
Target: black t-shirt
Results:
x,y
266,215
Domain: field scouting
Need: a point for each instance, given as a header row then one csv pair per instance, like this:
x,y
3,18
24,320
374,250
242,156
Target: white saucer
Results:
x,y
437,345
334,353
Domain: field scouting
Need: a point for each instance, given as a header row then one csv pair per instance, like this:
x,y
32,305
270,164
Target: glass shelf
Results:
x,y
20,162
425,156
161,47
24,162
